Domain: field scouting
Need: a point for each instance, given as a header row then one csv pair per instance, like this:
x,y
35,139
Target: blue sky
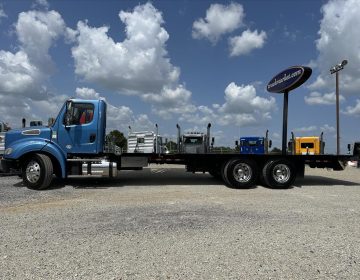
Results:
x,y
186,62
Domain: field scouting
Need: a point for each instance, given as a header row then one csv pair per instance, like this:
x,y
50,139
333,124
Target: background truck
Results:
x,y
145,142
35,123
3,129
356,153
72,148
194,142
306,145
255,145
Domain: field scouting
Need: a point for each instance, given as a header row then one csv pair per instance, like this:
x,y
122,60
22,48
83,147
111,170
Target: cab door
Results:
x,y
79,135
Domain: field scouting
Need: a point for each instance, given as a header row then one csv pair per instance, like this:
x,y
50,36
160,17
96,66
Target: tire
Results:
x,y
241,173
37,172
279,174
223,173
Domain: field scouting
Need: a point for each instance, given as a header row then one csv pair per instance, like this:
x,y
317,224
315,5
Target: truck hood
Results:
x,y
28,133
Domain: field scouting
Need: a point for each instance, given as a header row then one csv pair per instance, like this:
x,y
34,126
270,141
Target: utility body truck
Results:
x,y
76,145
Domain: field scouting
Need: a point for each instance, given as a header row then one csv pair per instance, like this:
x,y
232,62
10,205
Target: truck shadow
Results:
x,y
139,178
184,179
322,181
175,177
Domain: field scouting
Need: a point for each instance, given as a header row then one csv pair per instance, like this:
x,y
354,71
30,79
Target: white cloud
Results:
x,y
171,101
244,99
17,74
306,129
87,93
137,65
353,110
246,42
316,98
276,136
37,31
41,3
327,128
13,109
242,107
219,20
25,72
338,40
2,13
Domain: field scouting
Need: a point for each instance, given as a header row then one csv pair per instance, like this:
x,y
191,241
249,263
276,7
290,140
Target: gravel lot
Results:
x,y
163,223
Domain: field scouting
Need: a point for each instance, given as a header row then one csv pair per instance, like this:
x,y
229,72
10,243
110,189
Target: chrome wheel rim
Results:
x,y
242,172
33,171
281,173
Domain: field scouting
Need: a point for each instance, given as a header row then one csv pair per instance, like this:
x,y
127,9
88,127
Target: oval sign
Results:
x,y
289,79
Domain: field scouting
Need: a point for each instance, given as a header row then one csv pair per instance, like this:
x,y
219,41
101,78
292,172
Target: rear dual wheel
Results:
x,y
240,173
279,174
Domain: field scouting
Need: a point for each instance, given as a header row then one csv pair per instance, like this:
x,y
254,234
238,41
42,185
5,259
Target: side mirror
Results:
x,y
51,121
349,147
212,141
236,143
270,143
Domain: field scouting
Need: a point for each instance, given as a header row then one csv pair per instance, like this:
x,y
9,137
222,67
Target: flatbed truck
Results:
x,y
71,147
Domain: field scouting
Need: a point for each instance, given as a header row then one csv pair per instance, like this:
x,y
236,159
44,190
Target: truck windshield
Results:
x,y
251,143
307,145
193,140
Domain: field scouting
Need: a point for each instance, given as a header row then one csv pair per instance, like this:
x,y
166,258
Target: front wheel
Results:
x,y
37,172
279,174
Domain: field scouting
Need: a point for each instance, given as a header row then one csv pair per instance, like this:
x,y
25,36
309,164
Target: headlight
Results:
x,y
8,151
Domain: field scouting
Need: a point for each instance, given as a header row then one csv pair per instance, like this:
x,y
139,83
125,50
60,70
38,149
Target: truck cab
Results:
x,y
78,131
195,142
254,145
306,145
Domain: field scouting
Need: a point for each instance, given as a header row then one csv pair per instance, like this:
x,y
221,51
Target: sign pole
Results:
x,y
284,82
285,121
337,116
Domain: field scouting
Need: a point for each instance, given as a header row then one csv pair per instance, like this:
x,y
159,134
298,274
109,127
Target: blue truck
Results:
x,y
252,145
76,145
255,145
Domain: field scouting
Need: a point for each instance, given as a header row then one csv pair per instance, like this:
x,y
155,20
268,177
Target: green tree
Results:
x,y
171,146
118,138
275,150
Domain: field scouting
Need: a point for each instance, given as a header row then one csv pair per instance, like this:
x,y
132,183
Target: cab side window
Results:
x,y
81,113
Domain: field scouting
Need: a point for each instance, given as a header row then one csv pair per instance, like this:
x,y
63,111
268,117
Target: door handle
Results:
x,y
92,138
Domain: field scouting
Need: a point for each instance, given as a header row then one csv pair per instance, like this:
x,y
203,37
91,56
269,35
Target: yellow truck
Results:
x,y
308,145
